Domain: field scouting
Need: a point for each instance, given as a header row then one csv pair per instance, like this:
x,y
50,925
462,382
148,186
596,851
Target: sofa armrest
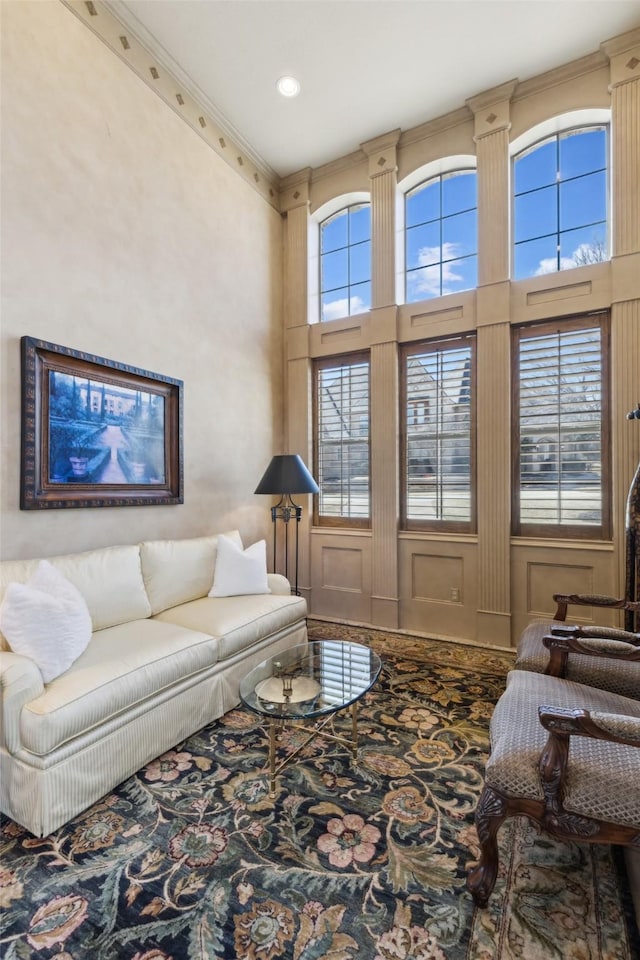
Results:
x,y
279,584
20,682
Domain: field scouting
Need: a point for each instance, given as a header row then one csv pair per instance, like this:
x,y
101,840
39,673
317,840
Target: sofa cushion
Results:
x,y
14,571
109,579
237,622
122,667
46,619
176,571
599,773
240,572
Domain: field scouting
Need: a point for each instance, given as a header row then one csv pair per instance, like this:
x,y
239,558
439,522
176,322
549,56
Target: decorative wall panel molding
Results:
x,y
437,577
342,569
545,579
567,292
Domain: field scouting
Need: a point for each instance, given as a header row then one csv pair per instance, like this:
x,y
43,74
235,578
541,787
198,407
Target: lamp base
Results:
x,y
286,510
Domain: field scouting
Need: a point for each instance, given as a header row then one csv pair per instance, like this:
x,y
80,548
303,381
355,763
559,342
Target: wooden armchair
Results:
x,y
565,755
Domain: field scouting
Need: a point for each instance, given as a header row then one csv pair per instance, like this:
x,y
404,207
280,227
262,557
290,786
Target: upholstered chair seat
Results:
x,y
600,774
566,755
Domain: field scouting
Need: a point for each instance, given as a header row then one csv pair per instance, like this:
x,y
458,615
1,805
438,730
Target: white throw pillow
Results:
x,y
46,619
239,572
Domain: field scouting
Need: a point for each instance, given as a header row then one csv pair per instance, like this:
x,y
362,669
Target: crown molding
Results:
x,y
623,53
622,43
295,189
112,23
435,127
335,167
563,74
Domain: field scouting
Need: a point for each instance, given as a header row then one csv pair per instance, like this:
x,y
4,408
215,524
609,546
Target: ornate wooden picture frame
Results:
x,y
96,433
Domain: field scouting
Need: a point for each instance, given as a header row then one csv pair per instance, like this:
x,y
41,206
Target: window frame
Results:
x,y
341,211
324,363
414,188
556,135
564,531
432,346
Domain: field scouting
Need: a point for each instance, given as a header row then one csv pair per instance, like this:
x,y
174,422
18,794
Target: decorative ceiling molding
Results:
x,y
559,75
156,69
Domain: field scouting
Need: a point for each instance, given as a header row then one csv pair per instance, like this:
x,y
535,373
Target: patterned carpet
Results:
x,y
190,859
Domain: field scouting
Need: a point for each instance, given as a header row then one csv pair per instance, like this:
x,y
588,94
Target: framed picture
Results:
x,y
96,433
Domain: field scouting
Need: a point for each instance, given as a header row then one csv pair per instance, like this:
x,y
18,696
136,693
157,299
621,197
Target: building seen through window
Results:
x,y
342,453
437,434
562,467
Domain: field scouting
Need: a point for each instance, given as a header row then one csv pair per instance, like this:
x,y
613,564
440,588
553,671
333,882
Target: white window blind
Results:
x,y
438,460
342,439
344,670
560,410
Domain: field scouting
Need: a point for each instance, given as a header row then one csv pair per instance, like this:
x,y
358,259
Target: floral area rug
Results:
x,y
190,859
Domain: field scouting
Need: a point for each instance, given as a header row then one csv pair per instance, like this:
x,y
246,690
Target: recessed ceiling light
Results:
x,y
288,86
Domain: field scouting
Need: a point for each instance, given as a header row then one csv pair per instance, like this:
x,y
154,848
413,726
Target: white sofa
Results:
x,y
164,659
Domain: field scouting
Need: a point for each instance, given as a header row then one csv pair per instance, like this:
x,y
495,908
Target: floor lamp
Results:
x,y
287,474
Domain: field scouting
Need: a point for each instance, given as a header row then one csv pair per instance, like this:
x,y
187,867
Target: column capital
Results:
x,y
624,56
295,190
381,152
491,109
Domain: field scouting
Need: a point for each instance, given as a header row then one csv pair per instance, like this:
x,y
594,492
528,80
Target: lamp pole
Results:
x,y
287,474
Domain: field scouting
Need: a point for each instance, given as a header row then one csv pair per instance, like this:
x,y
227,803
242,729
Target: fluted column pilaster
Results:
x,y
492,122
383,181
384,470
624,63
494,484
491,133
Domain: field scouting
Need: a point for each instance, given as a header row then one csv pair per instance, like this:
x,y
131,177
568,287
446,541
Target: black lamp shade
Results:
x,y
287,473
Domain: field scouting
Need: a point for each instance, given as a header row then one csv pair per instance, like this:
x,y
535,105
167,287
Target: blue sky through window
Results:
x,y
441,236
345,262
560,221
560,203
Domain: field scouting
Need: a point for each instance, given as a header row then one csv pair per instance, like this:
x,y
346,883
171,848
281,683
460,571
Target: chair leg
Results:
x,y
490,814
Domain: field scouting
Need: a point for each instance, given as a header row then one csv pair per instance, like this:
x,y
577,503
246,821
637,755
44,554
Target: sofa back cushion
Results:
x,y
177,571
109,579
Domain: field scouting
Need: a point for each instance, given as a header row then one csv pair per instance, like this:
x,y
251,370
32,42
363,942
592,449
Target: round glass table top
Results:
x,y
310,680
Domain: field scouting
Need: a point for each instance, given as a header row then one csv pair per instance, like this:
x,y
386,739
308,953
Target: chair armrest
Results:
x,y
606,642
597,633
20,682
595,641
613,727
563,600
562,723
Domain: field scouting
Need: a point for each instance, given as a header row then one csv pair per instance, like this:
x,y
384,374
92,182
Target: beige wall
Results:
x,y
485,586
126,236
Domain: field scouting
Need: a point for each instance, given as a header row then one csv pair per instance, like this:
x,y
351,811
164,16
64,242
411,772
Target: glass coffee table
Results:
x,y
310,682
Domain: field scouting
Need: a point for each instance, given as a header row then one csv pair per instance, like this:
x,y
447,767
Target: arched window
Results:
x,y
560,202
441,236
345,262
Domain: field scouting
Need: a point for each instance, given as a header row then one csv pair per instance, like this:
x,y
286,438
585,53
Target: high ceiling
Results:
x,y
366,66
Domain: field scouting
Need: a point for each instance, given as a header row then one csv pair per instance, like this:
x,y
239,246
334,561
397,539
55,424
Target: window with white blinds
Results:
x,y
561,481
341,448
437,431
